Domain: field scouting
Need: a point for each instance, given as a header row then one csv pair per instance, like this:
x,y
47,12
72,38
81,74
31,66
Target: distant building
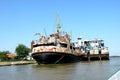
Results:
x,y
11,55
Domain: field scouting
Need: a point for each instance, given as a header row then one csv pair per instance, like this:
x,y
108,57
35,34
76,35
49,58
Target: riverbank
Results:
x,y
16,63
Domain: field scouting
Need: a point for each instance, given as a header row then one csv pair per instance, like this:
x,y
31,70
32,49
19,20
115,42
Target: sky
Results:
x,y
21,19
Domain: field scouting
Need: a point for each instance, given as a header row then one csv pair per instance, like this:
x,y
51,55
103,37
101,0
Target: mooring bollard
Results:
x,y
88,56
100,57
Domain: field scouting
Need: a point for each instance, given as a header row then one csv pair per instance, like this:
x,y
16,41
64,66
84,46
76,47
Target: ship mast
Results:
x,y
58,23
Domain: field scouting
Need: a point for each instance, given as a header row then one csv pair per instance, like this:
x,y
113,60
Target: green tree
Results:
x,y
3,55
22,51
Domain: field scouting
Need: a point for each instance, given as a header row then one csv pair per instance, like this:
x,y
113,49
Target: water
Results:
x,y
94,70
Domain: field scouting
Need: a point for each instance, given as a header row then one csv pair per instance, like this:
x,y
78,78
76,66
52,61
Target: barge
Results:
x,y
95,50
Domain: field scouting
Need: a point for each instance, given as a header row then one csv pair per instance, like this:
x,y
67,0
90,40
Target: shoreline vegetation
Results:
x,y
16,63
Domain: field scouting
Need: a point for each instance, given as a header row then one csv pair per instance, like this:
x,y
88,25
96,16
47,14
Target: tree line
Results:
x,y
21,51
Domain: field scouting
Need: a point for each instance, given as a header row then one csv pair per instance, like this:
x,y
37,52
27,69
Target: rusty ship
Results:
x,y
55,48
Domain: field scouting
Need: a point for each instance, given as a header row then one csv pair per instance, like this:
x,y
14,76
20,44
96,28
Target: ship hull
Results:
x,y
55,57
96,57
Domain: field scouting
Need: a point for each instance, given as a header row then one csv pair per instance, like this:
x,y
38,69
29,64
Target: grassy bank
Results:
x,y
16,63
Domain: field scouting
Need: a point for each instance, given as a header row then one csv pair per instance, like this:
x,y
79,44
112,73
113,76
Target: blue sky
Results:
x,y
21,19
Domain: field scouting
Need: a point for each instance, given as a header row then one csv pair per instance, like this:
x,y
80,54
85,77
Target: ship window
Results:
x,y
102,44
51,44
63,45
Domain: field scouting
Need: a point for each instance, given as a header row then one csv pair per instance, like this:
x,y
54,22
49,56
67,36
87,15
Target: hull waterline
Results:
x,y
55,58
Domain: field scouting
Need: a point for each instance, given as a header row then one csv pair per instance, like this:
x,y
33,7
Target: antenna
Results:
x,y
38,34
45,32
58,23
70,36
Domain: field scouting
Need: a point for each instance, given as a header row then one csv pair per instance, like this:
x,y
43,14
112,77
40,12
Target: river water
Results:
x,y
94,70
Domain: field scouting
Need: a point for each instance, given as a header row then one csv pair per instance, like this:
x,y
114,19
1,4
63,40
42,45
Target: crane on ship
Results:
x,y
58,23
